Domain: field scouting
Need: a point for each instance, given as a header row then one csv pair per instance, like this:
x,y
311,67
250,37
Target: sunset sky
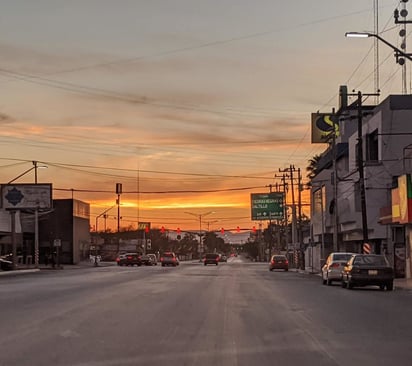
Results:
x,y
191,104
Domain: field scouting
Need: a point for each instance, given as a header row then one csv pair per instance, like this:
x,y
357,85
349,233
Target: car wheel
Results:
x,y
328,281
389,286
205,264
163,265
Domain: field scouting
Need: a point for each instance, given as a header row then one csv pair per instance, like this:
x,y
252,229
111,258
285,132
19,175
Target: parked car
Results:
x,y
149,260
153,259
332,269
169,259
211,258
129,259
278,261
6,262
223,258
368,270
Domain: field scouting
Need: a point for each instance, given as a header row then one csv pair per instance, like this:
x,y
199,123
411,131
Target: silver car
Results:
x,y
332,269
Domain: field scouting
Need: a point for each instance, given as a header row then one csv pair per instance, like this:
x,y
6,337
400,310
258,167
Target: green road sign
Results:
x,y
267,206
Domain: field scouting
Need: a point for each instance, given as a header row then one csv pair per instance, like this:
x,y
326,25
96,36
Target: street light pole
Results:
x,y
199,216
36,224
398,52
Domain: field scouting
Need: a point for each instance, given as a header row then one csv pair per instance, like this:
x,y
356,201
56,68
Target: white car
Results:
x,y
332,269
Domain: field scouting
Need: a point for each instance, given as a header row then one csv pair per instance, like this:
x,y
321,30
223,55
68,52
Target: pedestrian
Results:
x,y
53,261
46,259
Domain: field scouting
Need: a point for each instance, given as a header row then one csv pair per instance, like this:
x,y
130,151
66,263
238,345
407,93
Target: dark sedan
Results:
x,y
129,259
211,258
368,270
6,262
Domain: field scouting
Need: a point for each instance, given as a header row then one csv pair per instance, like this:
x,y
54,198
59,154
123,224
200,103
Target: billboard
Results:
x,y
402,200
323,125
26,196
267,206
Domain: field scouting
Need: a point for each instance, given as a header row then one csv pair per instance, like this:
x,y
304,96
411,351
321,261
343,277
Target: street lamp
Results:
x,y
199,216
398,52
36,215
102,214
209,223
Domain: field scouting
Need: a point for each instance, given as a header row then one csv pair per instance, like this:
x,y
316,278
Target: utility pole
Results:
x,y
361,172
335,189
291,170
300,234
119,190
270,229
284,185
365,237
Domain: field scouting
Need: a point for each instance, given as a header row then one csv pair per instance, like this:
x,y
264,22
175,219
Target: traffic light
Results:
x,y
254,229
222,231
146,229
238,229
178,230
162,230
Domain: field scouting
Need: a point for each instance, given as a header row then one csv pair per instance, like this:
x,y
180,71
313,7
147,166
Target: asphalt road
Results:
x,y
232,314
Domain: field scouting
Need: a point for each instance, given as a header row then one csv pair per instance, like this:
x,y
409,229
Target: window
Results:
x,y
372,152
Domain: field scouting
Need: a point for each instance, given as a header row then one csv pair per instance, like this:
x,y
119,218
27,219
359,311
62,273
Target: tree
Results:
x,y
212,242
251,248
312,168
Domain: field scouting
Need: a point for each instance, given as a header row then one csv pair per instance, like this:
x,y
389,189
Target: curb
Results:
x,y
18,272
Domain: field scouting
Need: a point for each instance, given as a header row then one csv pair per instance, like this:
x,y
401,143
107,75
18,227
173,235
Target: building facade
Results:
x,y
351,207
66,232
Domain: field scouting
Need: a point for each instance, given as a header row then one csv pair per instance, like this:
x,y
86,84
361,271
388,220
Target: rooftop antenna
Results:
x,y
376,49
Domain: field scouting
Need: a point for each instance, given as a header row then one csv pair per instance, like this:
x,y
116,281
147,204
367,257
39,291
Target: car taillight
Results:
x,y
174,259
335,265
161,259
117,259
129,257
286,261
272,261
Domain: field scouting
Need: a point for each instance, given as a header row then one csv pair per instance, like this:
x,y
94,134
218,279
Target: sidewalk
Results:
x,y
403,283
42,267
